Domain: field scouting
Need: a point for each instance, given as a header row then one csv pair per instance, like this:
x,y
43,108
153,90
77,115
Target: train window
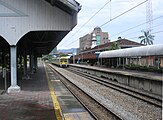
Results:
x,y
63,60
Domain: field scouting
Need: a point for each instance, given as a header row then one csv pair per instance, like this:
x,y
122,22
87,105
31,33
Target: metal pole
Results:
x,y
98,61
5,81
123,62
158,66
73,59
82,57
4,76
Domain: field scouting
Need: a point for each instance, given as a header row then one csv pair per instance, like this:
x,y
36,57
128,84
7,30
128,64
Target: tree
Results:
x,y
114,46
63,55
147,38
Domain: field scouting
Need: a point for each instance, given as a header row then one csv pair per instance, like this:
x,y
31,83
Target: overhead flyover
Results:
x,y
34,27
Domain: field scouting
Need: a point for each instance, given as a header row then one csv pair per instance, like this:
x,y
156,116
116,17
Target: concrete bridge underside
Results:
x,y
33,27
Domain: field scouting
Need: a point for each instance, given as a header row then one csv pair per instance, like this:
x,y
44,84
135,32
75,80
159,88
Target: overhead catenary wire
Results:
x,y
157,32
126,30
72,42
90,19
123,13
136,26
139,30
76,40
110,18
151,33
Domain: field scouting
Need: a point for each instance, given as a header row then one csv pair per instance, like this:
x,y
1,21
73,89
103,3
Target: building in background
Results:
x,y
97,35
91,56
94,41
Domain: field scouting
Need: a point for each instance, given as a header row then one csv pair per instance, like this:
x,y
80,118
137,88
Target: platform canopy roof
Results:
x,y
134,52
41,42
69,6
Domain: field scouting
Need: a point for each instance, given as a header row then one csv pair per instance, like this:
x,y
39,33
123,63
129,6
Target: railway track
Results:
x,y
96,109
157,101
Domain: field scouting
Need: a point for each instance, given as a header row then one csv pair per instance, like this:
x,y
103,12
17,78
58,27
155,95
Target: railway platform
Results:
x,y
145,75
70,107
33,102
146,82
42,97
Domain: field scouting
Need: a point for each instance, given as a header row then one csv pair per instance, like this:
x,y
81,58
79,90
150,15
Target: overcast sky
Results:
x,y
119,26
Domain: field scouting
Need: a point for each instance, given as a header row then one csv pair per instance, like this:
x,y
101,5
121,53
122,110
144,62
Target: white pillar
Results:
x,y
126,61
14,87
117,62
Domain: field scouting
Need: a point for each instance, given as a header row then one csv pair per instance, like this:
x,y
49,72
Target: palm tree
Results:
x,y
147,38
114,46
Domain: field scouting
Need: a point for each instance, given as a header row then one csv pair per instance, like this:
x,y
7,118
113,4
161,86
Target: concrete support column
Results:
x,y
14,87
25,64
3,59
139,60
101,61
35,62
74,58
158,63
117,62
126,61
112,66
20,61
123,63
31,63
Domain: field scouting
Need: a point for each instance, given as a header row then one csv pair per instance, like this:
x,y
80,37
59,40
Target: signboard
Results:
x,y
98,38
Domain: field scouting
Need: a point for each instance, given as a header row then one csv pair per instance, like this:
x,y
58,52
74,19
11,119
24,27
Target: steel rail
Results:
x,y
118,117
136,94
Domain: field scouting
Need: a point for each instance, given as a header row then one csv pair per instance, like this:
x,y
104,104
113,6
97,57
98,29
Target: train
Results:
x,y
61,61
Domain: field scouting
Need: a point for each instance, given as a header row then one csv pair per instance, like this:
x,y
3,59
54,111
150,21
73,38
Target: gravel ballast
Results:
x,y
124,105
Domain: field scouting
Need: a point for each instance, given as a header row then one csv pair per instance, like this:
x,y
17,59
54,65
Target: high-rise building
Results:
x,y
95,38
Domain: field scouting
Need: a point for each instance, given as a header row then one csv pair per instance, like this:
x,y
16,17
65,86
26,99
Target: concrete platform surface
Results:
x,y
32,103
146,75
42,97
70,106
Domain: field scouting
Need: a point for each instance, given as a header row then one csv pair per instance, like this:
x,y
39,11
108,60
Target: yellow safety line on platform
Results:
x,y
65,118
54,98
